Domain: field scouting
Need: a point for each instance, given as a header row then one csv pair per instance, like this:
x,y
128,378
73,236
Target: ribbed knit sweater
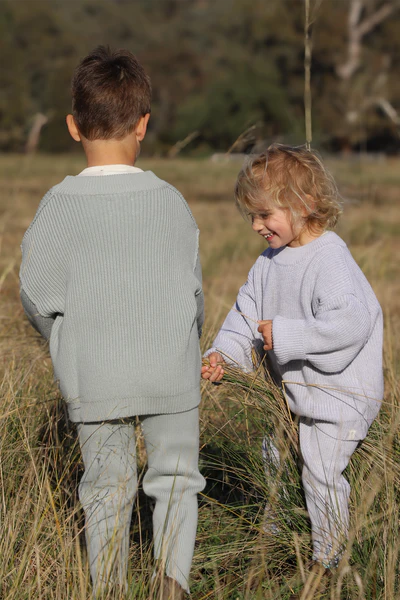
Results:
x,y
327,330
112,264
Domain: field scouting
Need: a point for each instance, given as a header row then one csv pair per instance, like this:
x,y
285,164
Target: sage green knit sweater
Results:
x,y
111,273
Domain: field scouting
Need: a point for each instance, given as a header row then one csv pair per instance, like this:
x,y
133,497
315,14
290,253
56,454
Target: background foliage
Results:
x,y
218,69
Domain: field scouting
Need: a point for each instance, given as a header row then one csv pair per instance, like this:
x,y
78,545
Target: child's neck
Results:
x,y
111,152
305,237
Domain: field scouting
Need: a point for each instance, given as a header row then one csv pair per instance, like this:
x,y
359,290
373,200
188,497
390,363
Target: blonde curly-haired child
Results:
x,y
311,307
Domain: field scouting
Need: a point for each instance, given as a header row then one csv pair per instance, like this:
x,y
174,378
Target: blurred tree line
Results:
x,y
225,73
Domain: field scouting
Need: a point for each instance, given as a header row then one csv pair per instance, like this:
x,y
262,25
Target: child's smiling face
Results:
x,y
276,227
289,195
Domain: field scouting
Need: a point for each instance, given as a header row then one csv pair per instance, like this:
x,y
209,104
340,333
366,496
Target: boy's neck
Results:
x,y
111,152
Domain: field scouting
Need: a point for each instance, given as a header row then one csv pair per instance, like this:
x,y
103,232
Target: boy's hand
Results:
x,y
265,328
213,371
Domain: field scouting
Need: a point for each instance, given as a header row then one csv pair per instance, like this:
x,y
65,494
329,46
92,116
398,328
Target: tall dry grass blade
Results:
x,y
307,75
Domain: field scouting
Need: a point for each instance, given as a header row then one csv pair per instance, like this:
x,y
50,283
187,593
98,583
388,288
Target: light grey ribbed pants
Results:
x,y
326,449
109,485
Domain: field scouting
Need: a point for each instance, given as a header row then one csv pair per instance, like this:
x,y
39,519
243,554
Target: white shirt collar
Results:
x,y
109,170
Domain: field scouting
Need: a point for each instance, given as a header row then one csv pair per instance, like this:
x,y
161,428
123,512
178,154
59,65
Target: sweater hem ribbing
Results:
x,y
311,410
91,411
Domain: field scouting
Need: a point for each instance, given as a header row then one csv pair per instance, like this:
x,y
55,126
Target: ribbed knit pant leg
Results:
x,y
270,455
271,461
326,453
173,480
107,491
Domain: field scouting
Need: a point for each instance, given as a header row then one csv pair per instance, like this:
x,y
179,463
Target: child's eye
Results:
x,y
263,215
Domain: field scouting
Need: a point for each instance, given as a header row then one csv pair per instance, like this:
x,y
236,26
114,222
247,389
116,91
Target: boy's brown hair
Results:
x,y
110,93
290,177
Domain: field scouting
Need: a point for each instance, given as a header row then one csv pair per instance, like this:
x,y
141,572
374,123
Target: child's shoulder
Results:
x,y
332,250
334,269
330,238
328,256
45,201
326,252
262,263
48,200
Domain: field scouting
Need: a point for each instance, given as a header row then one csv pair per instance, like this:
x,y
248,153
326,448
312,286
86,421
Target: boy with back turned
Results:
x,y
111,276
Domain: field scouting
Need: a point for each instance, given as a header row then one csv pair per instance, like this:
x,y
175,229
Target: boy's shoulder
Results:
x,y
77,186
46,199
115,184
110,185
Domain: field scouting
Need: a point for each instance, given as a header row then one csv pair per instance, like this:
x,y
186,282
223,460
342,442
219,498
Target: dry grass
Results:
x,y
41,542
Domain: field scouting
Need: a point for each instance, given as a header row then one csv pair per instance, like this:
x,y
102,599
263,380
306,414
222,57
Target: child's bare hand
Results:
x,y
265,328
213,371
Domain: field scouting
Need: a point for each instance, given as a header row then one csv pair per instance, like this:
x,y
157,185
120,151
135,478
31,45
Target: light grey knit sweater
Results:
x,y
327,330
111,273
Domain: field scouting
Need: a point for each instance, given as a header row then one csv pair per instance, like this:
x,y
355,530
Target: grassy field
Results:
x,y
41,542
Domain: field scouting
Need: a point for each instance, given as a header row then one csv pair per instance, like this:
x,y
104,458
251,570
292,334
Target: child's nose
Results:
x,y
257,224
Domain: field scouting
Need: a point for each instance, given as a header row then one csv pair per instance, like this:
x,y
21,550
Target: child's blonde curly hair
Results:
x,y
290,177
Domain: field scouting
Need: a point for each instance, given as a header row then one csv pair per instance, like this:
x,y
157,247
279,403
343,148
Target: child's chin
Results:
x,y
274,243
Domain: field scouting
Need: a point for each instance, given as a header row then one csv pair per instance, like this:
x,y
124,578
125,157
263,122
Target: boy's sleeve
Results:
x,y
43,267
235,339
199,296
42,324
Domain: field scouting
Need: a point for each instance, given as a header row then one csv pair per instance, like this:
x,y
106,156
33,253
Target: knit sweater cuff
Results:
x,y
289,339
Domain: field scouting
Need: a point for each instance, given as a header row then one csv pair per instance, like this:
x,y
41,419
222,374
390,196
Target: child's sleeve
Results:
x,y
330,341
339,328
43,268
42,324
235,339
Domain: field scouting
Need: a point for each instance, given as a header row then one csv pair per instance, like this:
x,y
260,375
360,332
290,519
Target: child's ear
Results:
x,y
72,128
141,127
